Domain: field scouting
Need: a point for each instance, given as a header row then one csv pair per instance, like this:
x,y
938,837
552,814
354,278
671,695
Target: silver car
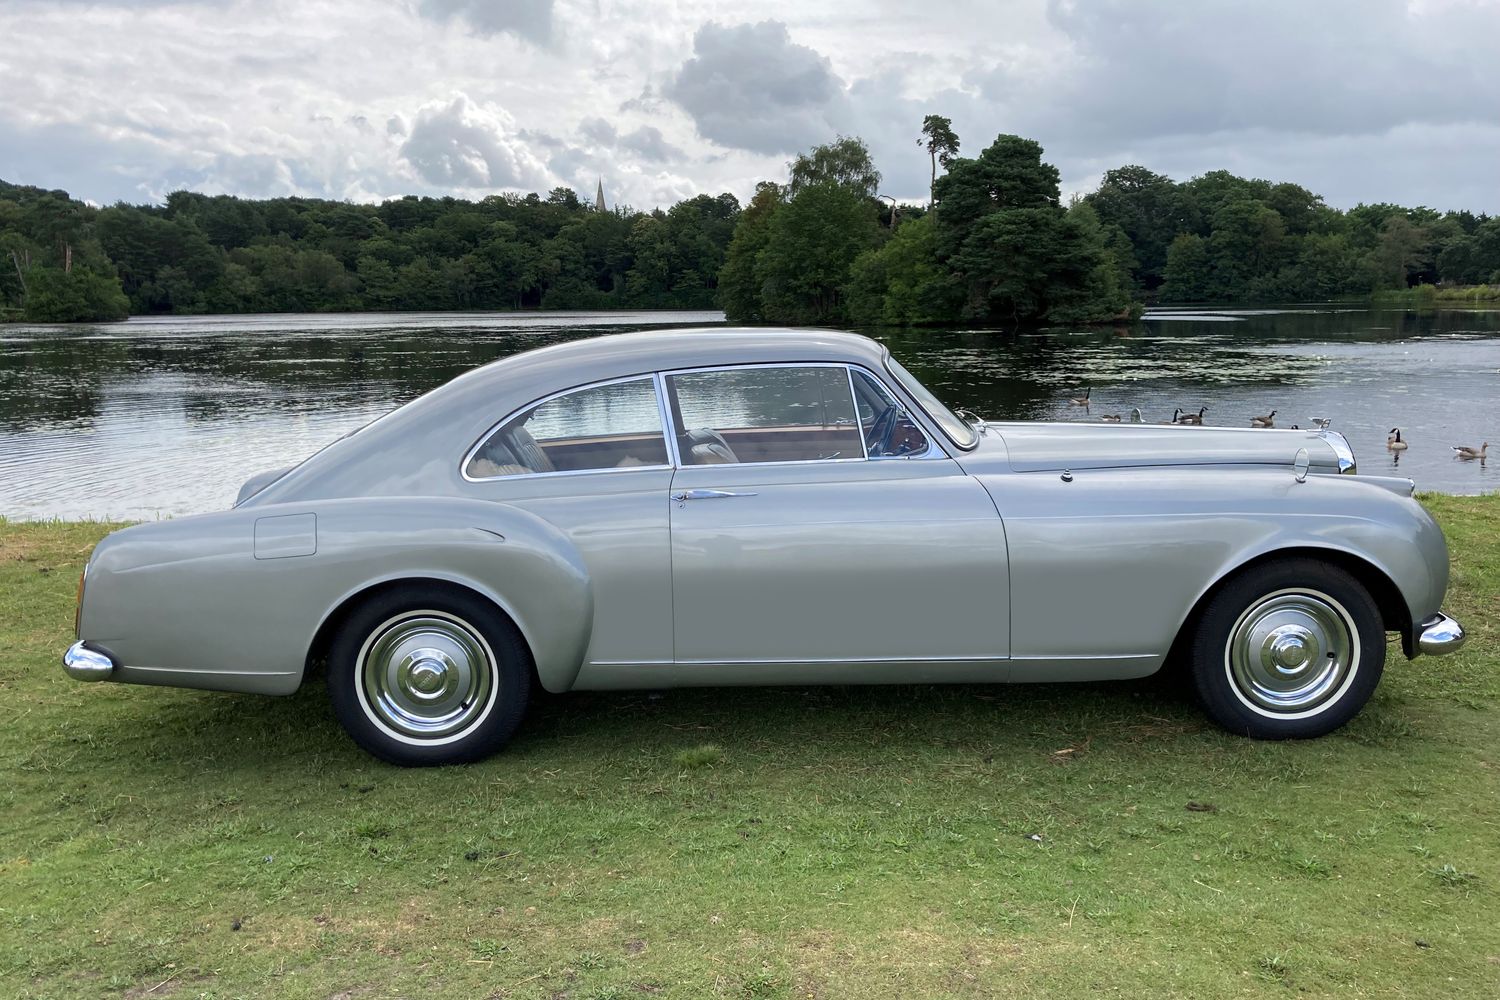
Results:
x,y
727,507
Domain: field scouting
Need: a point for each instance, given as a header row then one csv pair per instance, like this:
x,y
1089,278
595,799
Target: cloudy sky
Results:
x,y
1360,100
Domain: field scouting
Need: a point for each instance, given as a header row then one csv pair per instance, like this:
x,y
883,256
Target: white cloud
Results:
x,y
461,144
126,99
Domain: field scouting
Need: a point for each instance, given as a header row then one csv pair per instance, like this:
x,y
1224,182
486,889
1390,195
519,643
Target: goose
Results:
x,y
1135,414
1082,400
1190,418
1269,420
1110,418
1465,452
1394,442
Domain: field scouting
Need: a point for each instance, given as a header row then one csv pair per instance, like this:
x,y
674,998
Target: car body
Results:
x,y
748,506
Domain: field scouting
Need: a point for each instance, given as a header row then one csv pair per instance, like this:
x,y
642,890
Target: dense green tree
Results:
x,y
845,161
812,241
1188,274
739,293
79,295
902,282
1016,254
1150,209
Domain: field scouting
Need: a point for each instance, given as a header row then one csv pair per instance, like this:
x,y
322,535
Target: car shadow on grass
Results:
x,y
207,732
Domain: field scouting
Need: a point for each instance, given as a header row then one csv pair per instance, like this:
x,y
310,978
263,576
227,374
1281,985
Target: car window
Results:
x,y
765,414
953,425
888,428
612,426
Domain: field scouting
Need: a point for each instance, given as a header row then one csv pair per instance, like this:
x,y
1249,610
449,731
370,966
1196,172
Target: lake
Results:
x,y
158,417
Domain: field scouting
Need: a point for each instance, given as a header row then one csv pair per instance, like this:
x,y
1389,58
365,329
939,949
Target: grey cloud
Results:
x,y
648,142
460,144
599,130
749,86
1147,68
528,19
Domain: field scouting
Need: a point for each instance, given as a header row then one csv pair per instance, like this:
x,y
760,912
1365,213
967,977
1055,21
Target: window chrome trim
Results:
x,y
674,453
864,446
484,439
854,404
669,424
888,358
933,451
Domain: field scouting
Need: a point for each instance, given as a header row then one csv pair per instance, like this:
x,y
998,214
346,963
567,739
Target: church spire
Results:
x,y
599,197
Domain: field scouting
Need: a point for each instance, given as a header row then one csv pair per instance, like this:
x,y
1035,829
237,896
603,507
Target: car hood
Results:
x,y
1044,447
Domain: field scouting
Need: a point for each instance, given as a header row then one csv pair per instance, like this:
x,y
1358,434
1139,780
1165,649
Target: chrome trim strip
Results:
x,y
845,659
686,495
1440,635
669,426
484,439
864,446
566,472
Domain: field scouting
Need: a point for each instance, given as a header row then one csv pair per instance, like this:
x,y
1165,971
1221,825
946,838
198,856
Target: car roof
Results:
x,y
576,362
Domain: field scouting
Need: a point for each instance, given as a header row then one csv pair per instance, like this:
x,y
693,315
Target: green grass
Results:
x,y
945,842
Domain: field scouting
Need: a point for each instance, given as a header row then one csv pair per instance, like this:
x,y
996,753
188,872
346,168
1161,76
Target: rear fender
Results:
x,y
234,600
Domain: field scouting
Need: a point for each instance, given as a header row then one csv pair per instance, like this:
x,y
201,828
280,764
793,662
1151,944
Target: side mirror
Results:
x,y
1300,464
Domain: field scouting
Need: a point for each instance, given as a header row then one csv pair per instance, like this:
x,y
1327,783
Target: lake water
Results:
x,y
167,416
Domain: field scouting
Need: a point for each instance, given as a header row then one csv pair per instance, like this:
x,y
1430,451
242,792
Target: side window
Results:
x,y
888,429
765,414
612,426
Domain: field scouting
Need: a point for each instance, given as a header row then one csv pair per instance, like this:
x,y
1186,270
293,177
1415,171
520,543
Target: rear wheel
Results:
x,y
429,675
1291,649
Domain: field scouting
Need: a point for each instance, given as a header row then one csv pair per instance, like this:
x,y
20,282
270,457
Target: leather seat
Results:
x,y
706,446
528,452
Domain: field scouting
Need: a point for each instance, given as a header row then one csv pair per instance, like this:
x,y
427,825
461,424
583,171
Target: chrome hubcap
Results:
x,y
1292,651
426,674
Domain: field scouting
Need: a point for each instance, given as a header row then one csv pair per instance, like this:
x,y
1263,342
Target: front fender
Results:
x,y
1112,561
233,600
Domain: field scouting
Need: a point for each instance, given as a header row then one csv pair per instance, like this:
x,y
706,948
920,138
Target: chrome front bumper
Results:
x,y
83,663
1439,634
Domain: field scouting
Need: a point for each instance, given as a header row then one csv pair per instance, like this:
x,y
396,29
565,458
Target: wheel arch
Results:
x,y
322,640
1394,614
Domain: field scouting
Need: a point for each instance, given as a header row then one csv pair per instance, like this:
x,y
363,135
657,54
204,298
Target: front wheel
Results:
x,y
1291,649
429,675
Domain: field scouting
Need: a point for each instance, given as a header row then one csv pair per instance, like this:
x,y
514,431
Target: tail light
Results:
x,y
78,609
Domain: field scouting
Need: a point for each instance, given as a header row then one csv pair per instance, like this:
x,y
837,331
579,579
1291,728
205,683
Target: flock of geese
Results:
x,y
1394,441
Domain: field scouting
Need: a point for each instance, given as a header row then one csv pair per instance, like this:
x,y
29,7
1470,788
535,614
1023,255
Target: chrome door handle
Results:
x,y
687,495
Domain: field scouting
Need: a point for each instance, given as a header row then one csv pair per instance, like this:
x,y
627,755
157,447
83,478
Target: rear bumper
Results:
x,y
1439,635
86,662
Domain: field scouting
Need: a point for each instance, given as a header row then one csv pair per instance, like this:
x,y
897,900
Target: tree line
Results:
x,y
994,244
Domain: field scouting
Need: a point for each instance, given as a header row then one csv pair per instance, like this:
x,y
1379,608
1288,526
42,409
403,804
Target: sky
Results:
x,y
1358,100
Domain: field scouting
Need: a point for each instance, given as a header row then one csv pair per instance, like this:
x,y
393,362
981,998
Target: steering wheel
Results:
x,y
882,431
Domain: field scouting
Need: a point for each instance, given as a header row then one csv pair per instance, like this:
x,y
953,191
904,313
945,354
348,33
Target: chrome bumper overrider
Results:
x,y
1440,634
85,664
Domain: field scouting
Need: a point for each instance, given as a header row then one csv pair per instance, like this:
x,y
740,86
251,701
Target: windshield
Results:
x,y
956,428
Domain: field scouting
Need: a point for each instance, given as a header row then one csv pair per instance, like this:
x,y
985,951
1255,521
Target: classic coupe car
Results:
x,y
730,507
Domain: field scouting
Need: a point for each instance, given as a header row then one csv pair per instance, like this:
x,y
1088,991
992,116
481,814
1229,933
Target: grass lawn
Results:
x,y
946,842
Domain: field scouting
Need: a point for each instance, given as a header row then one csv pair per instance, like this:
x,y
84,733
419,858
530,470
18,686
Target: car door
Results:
x,y
796,555
594,462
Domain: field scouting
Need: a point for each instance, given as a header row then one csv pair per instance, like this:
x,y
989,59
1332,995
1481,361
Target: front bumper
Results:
x,y
1439,635
84,662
